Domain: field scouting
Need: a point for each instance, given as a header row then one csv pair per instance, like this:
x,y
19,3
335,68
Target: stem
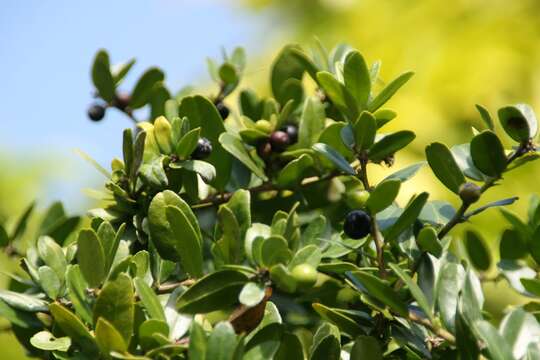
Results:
x,y
375,233
221,198
440,332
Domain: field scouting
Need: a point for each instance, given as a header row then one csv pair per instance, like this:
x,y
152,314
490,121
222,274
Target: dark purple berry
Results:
x,y
279,140
122,101
292,131
223,110
96,112
203,149
357,224
264,150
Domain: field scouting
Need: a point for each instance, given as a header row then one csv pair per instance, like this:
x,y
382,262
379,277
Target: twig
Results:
x,y
375,233
440,332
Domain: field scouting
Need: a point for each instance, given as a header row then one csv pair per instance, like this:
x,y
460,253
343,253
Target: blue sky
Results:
x,y
46,48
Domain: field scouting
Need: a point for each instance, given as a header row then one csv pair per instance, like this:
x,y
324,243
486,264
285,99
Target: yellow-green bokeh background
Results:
x,y
463,52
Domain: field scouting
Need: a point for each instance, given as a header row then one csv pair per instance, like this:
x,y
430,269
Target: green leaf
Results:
x,y
286,67
326,343
73,327
4,237
152,333
294,172
390,144
187,241
19,318
228,74
120,71
364,130
408,216
484,114
115,304
188,143
91,257
389,91
495,343
234,146
531,285
429,241
221,342
52,255
407,172
283,279
356,76
275,250
533,244
108,338
290,348
20,227
519,122
449,283
49,281
335,157
415,290
206,170
44,340
265,343
154,174
512,245
444,166
23,301
488,154
366,348
149,299
163,236
142,91
375,287
311,122
197,342
202,113
212,292
102,77
383,195
76,287
342,321
251,294
338,93
477,250
310,254
520,329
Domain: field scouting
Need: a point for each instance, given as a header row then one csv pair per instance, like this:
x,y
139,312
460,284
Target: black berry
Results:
x,y
96,112
292,131
279,140
357,224
122,100
203,149
264,150
223,110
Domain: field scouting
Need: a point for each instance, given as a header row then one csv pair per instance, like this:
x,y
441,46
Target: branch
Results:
x,y
375,233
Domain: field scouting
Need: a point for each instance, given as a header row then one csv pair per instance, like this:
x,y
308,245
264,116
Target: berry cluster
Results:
x,y
278,141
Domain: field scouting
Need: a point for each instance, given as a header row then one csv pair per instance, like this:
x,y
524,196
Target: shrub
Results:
x,y
259,234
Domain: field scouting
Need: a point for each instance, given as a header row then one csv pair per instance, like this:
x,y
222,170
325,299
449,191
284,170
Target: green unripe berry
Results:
x,y
469,192
305,275
346,296
357,199
264,125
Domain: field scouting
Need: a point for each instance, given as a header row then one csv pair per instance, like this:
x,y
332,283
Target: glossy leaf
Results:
x,y
335,157
365,129
142,91
519,122
251,294
381,291
488,153
212,292
44,340
221,342
149,299
366,348
73,327
408,216
102,77
338,93
390,144
235,147
311,122
91,257
383,195
115,304
108,338
444,166
415,290
389,91
486,117
356,76
478,252
342,321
